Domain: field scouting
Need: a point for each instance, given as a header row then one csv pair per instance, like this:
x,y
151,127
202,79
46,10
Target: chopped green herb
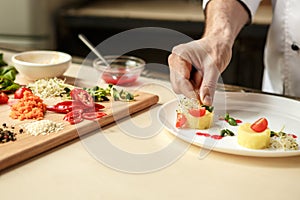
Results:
x,y
208,108
231,121
278,134
7,76
226,132
121,95
101,94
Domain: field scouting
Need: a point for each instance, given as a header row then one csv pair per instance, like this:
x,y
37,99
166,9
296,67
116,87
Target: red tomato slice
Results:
x,y
93,115
19,93
180,120
260,125
3,98
198,112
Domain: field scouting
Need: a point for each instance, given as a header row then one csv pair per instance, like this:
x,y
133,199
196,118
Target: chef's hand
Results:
x,y
196,66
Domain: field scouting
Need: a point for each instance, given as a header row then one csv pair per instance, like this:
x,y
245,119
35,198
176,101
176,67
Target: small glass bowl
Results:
x,y
123,70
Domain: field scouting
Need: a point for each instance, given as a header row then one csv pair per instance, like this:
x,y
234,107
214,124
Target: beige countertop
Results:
x,y
178,10
72,171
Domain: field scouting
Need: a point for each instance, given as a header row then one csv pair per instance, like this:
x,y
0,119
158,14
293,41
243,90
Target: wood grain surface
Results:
x,y
27,146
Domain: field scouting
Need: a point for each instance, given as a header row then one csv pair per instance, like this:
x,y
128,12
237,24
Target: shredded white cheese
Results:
x,y
48,88
186,104
285,142
42,127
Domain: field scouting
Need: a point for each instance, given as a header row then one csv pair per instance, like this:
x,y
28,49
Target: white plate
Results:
x,y
247,107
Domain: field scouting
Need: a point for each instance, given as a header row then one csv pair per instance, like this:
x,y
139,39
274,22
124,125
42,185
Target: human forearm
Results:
x,y
225,19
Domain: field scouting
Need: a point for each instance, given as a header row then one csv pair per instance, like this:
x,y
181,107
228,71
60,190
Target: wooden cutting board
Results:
x,y
27,146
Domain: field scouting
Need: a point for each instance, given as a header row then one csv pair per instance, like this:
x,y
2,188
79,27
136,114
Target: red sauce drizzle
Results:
x,y
238,121
216,137
203,134
294,136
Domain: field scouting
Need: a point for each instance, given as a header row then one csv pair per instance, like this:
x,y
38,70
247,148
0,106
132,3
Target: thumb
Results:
x,y
209,84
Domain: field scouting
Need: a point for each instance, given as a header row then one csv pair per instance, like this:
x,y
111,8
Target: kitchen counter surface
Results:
x,y
72,171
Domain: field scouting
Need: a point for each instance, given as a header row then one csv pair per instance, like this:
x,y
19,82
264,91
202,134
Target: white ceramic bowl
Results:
x,y
35,65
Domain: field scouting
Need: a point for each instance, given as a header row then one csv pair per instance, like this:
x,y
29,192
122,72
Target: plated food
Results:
x,y
254,136
191,114
233,110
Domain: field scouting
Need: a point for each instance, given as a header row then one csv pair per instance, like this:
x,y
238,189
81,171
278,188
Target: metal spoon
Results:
x,y
93,49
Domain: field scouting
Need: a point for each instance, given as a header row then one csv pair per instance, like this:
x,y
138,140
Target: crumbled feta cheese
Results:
x,y
285,142
42,127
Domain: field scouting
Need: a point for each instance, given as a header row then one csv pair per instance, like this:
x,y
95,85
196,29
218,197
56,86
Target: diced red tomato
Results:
x,y
260,125
180,120
198,112
19,93
3,98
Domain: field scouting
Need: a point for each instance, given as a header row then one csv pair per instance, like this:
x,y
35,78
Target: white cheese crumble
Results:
x,y
185,104
48,88
42,127
285,142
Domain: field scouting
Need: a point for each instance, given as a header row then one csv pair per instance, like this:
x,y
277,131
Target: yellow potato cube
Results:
x,y
203,122
251,139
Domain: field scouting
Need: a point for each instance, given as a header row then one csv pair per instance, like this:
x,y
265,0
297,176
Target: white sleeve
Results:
x,y
252,5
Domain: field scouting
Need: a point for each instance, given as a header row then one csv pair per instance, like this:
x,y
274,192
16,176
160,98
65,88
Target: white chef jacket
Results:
x,y
282,54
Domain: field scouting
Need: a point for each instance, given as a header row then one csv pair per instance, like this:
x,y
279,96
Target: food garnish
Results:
x,y
52,87
81,107
2,62
19,93
7,78
198,112
8,133
180,120
226,132
282,140
191,114
82,97
29,107
42,127
230,120
68,106
260,125
74,116
3,98
99,94
121,95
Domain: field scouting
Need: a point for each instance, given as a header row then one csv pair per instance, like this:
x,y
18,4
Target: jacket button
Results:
x,y
294,47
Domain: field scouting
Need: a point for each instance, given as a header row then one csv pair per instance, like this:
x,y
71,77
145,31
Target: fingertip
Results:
x,y
192,95
207,100
206,96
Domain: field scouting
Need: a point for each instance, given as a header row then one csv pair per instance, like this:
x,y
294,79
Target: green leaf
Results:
x,y
12,87
9,72
2,62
